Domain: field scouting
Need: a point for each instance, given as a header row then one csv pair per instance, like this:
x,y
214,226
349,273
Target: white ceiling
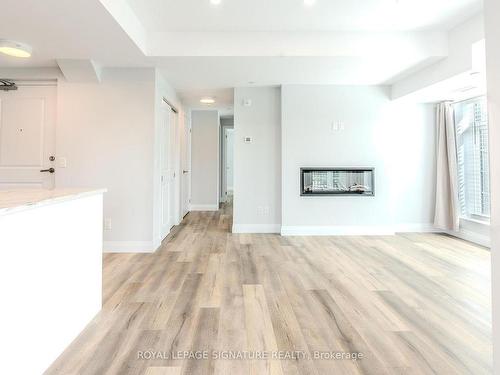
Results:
x,y
206,50
223,72
76,29
292,15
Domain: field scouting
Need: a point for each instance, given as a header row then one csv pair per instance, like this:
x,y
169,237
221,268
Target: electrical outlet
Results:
x,y
107,224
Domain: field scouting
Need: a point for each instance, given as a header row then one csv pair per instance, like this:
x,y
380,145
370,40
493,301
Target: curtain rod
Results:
x,y
468,99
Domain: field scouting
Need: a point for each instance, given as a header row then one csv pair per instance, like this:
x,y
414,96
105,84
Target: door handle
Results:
x,y
184,172
50,170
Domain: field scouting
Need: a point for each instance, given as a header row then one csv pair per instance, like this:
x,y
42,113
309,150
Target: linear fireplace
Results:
x,y
337,181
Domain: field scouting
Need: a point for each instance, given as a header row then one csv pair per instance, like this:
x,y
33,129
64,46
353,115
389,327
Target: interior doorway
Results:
x,y
227,158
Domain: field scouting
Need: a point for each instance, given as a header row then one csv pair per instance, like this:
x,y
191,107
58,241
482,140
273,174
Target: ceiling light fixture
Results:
x,y
215,2
15,49
309,2
207,100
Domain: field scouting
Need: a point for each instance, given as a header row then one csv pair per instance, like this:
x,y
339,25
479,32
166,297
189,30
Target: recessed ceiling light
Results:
x,y
207,100
15,49
215,2
309,2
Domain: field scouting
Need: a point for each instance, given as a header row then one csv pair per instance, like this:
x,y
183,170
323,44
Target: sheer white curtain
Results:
x,y
447,209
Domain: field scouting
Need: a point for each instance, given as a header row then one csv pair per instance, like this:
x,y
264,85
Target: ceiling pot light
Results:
x,y
207,100
215,2
15,49
309,2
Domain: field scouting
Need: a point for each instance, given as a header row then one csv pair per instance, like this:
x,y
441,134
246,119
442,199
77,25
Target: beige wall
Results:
x,y
204,160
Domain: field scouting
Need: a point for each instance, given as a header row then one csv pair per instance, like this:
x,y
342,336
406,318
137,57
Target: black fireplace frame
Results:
x,y
340,193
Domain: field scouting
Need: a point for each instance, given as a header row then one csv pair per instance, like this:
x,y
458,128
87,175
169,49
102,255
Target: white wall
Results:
x,y
105,132
395,138
257,165
108,133
204,160
492,26
459,60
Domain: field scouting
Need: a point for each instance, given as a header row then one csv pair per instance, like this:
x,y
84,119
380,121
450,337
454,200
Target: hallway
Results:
x,y
410,304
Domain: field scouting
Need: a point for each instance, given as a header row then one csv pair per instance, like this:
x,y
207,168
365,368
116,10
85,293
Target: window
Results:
x,y
471,124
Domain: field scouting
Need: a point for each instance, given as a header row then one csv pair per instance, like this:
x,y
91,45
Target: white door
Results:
x,y
186,165
27,137
173,169
165,206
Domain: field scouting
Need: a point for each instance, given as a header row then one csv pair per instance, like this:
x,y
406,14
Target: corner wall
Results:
x,y
109,134
257,165
106,133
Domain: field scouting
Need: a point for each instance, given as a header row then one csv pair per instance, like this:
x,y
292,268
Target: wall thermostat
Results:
x,y
247,139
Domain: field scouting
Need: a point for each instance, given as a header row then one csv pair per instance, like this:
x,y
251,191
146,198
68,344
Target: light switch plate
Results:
x,y
107,224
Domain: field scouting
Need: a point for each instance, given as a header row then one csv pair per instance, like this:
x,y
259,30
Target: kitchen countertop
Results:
x,y
21,199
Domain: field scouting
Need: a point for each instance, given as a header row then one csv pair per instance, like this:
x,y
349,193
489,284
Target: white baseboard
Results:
x,y
256,228
203,207
129,246
470,236
327,230
354,230
416,228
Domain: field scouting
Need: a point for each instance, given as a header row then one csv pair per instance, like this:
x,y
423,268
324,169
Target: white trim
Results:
x,y
204,207
471,236
256,228
354,230
129,246
476,221
416,228
340,230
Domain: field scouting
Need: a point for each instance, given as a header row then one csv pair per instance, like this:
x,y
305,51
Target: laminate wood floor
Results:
x,y
411,304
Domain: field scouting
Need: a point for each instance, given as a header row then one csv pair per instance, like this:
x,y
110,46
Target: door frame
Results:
x,y
222,157
165,149
185,165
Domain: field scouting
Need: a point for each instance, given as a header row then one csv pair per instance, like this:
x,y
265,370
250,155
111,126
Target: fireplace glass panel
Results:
x,y
323,181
